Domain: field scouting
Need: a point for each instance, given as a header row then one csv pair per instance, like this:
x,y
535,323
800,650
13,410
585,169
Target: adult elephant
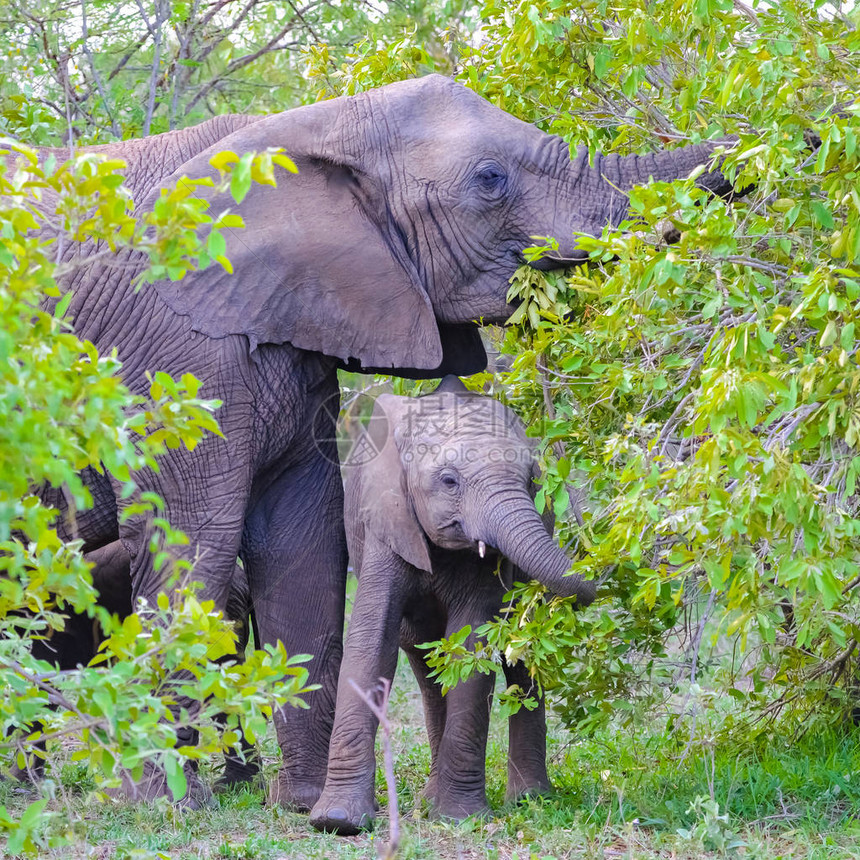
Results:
x,y
401,229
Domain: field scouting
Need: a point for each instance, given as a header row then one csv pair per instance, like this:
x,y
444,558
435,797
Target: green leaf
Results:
x,y
602,61
822,215
240,179
175,774
222,160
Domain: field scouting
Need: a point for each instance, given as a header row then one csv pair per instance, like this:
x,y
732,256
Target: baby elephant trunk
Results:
x,y
516,530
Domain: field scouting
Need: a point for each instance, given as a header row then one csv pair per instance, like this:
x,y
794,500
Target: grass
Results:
x,y
621,794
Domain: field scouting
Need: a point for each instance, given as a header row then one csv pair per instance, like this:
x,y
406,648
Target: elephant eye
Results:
x,y
490,178
449,480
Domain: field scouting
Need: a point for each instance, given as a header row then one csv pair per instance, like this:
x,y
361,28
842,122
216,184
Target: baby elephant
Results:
x,y
450,491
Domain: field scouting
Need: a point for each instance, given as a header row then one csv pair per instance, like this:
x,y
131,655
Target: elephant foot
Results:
x,y
153,784
342,815
453,809
520,789
30,775
238,773
293,793
431,790
22,784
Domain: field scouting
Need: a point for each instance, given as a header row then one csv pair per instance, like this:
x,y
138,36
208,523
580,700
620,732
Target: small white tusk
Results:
x,y
482,548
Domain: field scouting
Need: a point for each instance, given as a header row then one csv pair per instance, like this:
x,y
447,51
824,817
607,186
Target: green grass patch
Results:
x,y
642,791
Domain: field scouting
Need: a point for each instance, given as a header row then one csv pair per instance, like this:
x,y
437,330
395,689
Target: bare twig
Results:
x,y
697,642
241,62
182,72
162,13
128,55
851,585
753,263
747,12
377,700
663,439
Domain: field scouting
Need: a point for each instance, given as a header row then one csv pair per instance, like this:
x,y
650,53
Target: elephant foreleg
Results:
x,y
346,805
295,555
209,507
461,784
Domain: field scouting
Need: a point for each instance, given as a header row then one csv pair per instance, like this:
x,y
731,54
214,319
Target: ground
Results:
x,y
619,796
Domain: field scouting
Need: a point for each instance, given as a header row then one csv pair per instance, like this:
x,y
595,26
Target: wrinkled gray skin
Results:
x,y
78,643
456,470
402,228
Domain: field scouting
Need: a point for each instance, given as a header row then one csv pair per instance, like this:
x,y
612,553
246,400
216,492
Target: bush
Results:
x,y
700,398
64,408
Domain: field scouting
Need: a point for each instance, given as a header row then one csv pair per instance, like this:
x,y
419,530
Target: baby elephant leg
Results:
x,y
526,741
435,710
461,783
370,653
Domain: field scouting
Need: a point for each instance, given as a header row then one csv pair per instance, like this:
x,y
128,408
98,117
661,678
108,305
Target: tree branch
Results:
x,y
96,76
380,711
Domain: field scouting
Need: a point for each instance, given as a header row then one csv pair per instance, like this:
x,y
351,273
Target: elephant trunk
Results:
x,y
516,530
596,196
626,171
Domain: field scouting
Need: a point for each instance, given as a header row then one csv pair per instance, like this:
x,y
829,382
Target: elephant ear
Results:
x,y
320,263
384,498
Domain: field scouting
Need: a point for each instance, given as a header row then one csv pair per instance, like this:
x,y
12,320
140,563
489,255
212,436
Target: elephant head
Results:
x,y
459,474
405,222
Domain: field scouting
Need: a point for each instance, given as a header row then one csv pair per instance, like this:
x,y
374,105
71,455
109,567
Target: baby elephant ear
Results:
x,y
385,504
320,263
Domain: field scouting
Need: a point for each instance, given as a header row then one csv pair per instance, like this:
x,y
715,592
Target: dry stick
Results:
x,y
129,54
160,17
221,34
693,666
380,711
63,69
747,12
181,71
241,62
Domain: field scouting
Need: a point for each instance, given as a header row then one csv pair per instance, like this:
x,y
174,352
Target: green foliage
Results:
x,y
698,398
696,401
625,792
65,408
711,830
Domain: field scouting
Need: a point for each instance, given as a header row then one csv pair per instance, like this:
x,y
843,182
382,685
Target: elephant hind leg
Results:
x,y
434,714
239,772
66,649
153,784
527,775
